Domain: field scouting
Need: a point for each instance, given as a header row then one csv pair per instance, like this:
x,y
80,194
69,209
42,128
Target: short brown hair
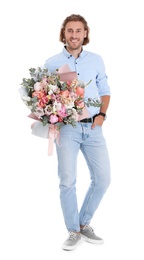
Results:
x,y
76,18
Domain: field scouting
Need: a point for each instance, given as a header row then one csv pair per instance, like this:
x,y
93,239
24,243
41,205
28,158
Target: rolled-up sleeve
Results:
x,y
102,79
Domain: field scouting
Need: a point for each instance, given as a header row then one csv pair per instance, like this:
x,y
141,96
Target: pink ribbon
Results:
x,y
52,135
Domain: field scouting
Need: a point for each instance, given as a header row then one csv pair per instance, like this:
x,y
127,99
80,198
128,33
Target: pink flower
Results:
x,y
43,101
53,119
44,81
65,93
80,91
62,112
79,104
38,94
44,84
60,119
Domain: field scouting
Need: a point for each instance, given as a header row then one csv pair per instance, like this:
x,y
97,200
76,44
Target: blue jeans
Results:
x,y
93,146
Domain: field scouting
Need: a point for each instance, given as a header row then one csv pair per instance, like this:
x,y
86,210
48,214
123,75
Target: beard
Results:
x,y
74,46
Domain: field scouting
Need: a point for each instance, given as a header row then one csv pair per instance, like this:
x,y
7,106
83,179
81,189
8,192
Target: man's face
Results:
x,y
74,35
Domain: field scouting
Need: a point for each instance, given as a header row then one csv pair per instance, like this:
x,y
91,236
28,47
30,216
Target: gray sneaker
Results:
x,y
88,234
72,241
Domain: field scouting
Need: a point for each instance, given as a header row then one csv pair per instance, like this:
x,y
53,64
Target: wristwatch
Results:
x,y
102,114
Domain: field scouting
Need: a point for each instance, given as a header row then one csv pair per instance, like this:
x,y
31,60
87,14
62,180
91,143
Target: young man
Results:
x,y
86,137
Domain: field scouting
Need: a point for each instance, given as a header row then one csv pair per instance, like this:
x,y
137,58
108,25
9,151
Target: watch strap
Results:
x,y
101,114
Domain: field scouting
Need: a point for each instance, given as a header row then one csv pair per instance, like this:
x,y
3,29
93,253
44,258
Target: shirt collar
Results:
x,y
68,55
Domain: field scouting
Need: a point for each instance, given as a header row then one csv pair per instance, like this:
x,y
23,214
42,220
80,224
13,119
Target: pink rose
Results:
x,y
79,103
80,91
53,119
38,94
62,112
65,93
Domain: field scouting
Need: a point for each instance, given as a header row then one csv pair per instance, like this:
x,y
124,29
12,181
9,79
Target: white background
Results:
x,y
31,222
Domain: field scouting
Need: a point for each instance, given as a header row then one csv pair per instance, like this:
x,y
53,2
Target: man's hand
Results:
x,y
97,121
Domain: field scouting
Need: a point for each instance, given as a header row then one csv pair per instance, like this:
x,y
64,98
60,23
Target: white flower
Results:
x,y
50,92
69,105
57,105
48,110
39,112
53,88
37,86
26,98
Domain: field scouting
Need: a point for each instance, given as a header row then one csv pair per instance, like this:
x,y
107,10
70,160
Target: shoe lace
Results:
x,y
72,235
90,228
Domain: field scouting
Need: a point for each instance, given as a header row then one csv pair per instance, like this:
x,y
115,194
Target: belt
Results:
x,y
88,120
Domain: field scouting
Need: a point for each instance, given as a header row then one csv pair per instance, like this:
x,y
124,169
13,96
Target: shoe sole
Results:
x,y
70,248
92,241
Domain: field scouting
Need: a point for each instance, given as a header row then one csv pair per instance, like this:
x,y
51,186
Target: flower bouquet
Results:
x,y
52,101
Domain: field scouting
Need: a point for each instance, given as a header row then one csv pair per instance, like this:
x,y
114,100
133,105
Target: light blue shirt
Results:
x,y
88,66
